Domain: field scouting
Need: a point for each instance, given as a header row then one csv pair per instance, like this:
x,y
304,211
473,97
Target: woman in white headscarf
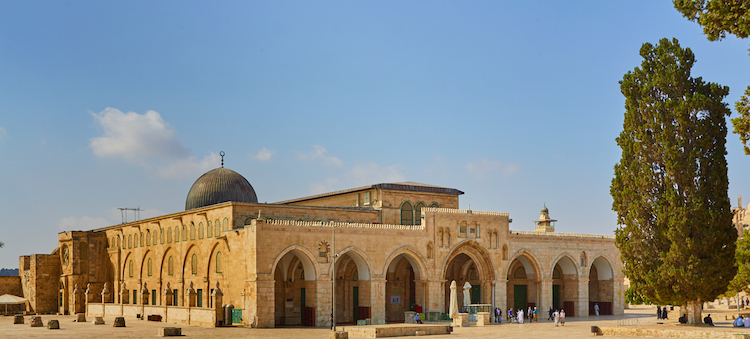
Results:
x,y
520,315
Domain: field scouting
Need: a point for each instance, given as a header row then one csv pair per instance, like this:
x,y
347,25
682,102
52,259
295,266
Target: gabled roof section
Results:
x,y
395,186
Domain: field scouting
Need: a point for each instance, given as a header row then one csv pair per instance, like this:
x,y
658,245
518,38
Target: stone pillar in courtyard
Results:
x,y
261,308
582,309
435,296
190,295
217,297
501,294
618,295
144,295
105,293
323,302
86,296
546,302
168,295
77,298
377,300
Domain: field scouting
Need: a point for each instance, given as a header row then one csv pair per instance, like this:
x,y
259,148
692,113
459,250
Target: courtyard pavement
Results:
x,y
576,327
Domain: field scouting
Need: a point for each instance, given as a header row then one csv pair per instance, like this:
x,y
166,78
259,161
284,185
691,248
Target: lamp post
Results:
x,y
333,278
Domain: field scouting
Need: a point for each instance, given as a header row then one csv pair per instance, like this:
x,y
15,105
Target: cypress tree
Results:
x,y
675,232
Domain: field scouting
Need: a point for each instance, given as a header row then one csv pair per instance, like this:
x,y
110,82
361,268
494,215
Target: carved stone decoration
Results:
x,y
217,291
167,289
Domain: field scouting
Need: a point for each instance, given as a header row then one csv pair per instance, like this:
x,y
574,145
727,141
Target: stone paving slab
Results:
x,y
574,328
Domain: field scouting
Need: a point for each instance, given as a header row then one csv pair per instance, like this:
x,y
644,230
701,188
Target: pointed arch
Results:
x,y
478,254
529,261
364,266
407,213
418,212
304,256
567,263
411,254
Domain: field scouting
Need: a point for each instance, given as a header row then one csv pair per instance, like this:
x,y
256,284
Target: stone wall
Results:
x,y
40,277
11,285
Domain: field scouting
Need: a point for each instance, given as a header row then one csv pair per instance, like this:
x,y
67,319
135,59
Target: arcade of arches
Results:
x,y
397,247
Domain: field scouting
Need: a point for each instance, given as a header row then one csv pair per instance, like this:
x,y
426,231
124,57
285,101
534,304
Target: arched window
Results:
x,y
141,239
169,235
418,213
407,214
209,229
505,252
520,273
226,224
434,204
217,228
156,237
200,230
130,241
192,231
148,237
170,266
130,268
448,236
184,233
161,235
218,262
135,241
583,259
148,267
194,264
177,234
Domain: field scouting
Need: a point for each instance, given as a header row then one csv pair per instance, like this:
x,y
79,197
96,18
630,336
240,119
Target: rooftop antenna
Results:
x,y
222,158
124,213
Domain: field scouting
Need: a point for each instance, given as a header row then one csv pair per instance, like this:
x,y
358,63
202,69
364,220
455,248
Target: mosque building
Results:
x,y
397,247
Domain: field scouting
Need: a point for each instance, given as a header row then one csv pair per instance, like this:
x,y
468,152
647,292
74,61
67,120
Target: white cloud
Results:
x,y
484,168
2,133
148,141
319,152
264,154
360,175
82,223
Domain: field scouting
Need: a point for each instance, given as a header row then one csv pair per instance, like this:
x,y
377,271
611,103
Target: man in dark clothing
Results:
x,y
664,313
550,314
683,319
658,312
708,321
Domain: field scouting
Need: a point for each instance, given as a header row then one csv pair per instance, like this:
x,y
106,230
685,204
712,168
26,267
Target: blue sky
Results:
x,y
108,104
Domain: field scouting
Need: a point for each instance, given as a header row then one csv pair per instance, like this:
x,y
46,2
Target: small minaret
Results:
x,y
545,224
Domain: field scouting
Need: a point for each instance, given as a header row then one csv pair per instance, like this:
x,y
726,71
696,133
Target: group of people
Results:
x,y
741,321
710,322
558,316
531,314
662,312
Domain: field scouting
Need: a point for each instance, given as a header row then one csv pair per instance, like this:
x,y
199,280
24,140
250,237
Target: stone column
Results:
x,y
76,306
190,295
546,302
618,296
435,296
167,300
377,300
501,294
420,293
323,298
217,297
86,298
582,309
144,295
261,310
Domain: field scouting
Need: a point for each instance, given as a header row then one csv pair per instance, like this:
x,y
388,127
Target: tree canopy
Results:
x,y
741,281
676,237
717,17
742,123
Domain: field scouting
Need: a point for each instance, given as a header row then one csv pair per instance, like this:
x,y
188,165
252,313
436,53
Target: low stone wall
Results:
x,y
672,333
204,317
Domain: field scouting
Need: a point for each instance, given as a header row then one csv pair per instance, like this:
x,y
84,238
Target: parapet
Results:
x,y
337,224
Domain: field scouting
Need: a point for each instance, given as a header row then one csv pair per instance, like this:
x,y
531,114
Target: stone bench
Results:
x,y
98,321
53,325
18,319
36,321
170,332
119,322
81,317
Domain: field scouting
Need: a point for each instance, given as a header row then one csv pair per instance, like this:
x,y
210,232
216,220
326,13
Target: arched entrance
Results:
x,y
565,286
294,290
471,263
524,282
601,286
352,288
404,290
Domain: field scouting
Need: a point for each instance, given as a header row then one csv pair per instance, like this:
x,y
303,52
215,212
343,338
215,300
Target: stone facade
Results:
x,y
40,275
740,218
396,248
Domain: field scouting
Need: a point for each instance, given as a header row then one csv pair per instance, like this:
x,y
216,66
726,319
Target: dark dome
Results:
x,y
217,186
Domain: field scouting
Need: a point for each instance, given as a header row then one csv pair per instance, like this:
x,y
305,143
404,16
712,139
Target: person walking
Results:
x,y
551,312
536,315
498,315
562,317
556,316
520,315
658,312
596,309
528,314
